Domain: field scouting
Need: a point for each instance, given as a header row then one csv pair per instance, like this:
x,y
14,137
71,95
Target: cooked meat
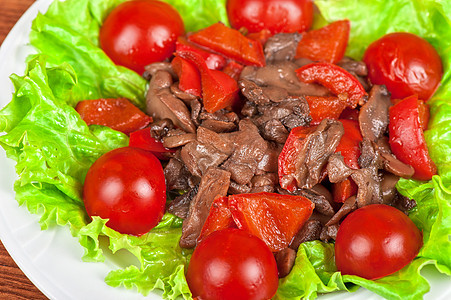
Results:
x,y
357,67
177,175
214,182
160,128
249,150
285,261
264,183
366,178
180,205
152,69
269,161
219,126
329,233
373,115
179,140
198,157
390,162
349,205
404,204
315,152
162,104
388,188
282,75
322,204
281,47
236,188
220,142
309,232
274,130
184,96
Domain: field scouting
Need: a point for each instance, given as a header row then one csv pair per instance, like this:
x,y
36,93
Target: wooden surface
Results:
x,y
13,283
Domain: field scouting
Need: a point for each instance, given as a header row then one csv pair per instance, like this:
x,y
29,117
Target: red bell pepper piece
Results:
x,y
289,154
219,218
219,90
325,107
189,77
326,44
335,78
233,69
349,145
274,218
214,61
343,190
261,36
406,137
231,43
350,114
117,113
143,139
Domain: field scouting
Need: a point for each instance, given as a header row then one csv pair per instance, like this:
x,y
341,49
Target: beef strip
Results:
x,y
322,204
184,96
219,126
162,104
357,67
314,154
249,149
152,69
180,205
264,183
309,232
329,233
281,47
174,141
160,128
366,178
404,204
214,182
349,205
274,130
373,115
282,75
285,259
177,175
390,162
388,188
236,188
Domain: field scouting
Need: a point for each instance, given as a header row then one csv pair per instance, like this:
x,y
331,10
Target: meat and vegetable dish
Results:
x,y
252,161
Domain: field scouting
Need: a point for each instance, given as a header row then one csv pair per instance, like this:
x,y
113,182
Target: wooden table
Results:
x,y
13,283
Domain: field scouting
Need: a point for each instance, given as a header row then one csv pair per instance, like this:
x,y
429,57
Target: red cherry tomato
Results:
x,y
232,264
406,64
274,15
126,186
139,32
375,241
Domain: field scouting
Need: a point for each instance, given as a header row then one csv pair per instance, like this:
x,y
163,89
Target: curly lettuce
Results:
x,y
54,148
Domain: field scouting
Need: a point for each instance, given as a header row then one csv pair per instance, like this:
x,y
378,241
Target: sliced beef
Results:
x,y
184,96
178,140
315,152
285,259
366,178
180,205
281,47
282,75
162,104
329,233
249,149
274,130
390,162
404,204
353,66
322,204
348,206
219,126
388,188
373,115
236,188
264,183
198,157
309,232
269,161
152,69
177,175
160,128
214,182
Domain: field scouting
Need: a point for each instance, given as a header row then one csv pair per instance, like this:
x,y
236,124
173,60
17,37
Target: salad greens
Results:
x,y
54,148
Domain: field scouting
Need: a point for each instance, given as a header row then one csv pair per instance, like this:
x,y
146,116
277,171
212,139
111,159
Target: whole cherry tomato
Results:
x,y
232,264
139,32
375,241
274,15
406,64
126,186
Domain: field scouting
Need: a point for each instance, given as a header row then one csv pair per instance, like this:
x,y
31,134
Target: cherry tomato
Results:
x,y
126,186
274,15
139,32
406,64
232,264
375,241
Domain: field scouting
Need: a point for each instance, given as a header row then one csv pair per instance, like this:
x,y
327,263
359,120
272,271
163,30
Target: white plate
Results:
x,y
52,259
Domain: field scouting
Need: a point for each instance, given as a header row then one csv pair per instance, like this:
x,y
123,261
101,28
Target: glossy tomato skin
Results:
x,y
406,64
126,186
139,32
275,15
375,241
232,264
